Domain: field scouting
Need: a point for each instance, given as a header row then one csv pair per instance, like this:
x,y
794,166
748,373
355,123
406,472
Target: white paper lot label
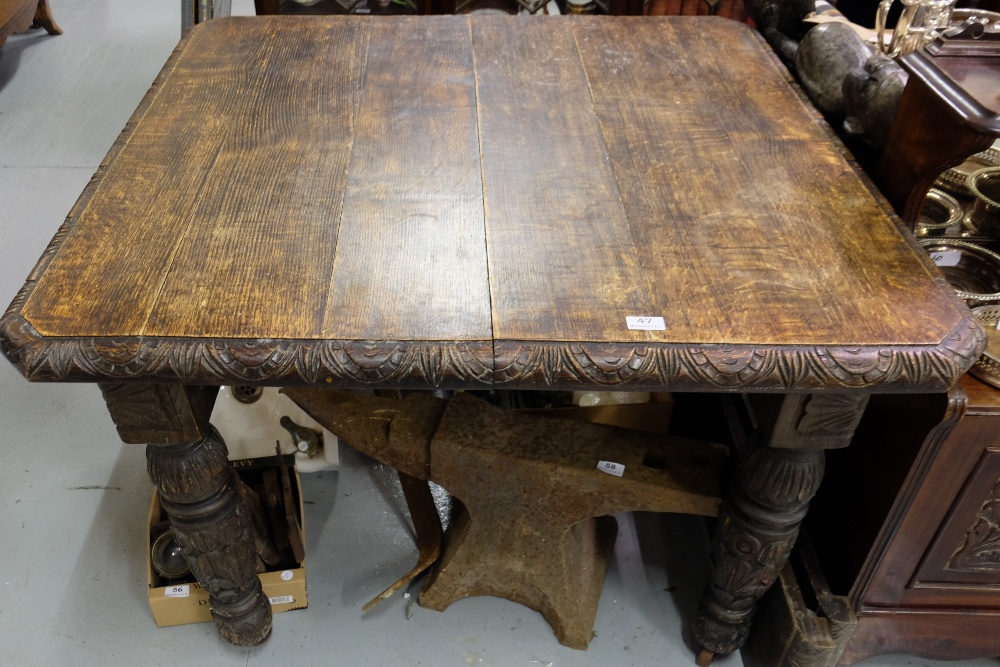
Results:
x,y
946,257
645,323
612,468
177,591
282,599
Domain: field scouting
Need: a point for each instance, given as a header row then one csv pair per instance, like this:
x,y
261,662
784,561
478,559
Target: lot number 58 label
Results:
x,y
612,468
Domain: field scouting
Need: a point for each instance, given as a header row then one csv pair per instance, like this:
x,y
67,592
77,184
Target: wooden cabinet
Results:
x,y
908,525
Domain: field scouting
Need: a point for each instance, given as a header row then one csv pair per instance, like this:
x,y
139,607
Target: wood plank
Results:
x,y
258,244
562,262
745,215
104,278
411,261
219,216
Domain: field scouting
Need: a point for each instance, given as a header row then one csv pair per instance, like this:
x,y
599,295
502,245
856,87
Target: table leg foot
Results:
x,y
246,622
705,658
197,491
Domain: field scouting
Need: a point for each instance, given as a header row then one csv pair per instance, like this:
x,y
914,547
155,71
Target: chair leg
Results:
x,y
43,18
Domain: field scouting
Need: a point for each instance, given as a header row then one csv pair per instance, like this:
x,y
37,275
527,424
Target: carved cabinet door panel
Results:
x,y
967,550
945,552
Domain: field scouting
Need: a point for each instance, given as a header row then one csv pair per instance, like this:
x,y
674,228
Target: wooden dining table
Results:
x,y
484,202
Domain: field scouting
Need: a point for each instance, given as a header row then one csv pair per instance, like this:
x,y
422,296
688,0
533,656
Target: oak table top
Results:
x,y
484,201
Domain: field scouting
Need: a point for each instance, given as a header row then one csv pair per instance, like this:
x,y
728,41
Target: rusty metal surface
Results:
x,y
394,431
532,526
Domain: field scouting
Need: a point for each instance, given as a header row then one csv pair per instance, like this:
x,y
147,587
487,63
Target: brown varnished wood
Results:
x,y
258,242
950,635
413,208
922,564
466,201
542,151
949,110
232,233
744,213
44,19
906,524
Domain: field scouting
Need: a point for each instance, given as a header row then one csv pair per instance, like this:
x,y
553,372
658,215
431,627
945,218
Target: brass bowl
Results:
x,y
956,179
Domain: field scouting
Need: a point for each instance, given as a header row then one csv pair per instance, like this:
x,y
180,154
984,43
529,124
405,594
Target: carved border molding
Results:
x,y
739,367
278,362
470,364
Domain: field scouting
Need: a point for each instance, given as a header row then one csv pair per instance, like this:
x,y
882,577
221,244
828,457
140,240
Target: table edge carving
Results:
x,y
725,367
246,361
485,363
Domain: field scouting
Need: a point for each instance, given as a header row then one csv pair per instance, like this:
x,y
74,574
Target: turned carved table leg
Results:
x,y
187,461
762,511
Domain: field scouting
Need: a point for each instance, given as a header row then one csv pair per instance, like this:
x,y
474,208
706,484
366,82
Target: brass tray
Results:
x,y
987,367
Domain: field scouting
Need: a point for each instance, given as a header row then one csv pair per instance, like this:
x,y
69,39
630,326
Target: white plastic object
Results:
x,y
251,429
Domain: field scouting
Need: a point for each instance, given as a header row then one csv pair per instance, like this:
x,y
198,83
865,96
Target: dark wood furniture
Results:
x,y
480,202
263,7
19,15
920,555
950,109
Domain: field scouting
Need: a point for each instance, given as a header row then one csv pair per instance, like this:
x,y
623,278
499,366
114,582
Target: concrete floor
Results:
x,y
74,500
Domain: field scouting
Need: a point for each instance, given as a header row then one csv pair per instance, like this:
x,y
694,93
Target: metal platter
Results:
x,y
987,367
971,269
940,211
955,179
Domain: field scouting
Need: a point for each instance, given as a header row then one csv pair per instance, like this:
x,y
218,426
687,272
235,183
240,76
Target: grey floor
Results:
x,y
73,500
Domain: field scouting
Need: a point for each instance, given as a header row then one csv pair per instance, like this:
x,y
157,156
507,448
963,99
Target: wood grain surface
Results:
x,y
434,188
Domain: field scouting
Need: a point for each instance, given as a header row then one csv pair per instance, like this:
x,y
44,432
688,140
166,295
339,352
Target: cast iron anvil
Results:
x,y
533,525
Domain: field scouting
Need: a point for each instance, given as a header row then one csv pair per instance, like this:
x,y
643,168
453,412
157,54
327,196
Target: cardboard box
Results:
x,y
185,601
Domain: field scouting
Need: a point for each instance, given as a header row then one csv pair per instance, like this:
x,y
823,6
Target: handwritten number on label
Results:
x,y
946,257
